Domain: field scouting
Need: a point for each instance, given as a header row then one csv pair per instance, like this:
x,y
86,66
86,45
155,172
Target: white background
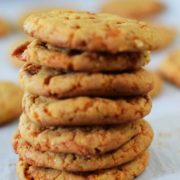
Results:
x,y
165,115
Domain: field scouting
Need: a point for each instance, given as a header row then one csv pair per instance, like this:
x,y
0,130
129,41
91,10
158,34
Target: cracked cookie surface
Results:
x,y
84,110
56,83
127,171
76,163
91,32
78,140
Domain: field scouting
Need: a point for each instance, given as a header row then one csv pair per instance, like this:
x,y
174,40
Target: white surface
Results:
x,y
165,115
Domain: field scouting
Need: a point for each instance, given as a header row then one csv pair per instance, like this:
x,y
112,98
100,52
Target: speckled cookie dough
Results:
x,y
57,83
80,140
127,171
47,55
85,110
91,32
75,163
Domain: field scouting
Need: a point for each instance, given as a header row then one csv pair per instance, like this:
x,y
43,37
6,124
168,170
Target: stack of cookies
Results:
x,y
86,95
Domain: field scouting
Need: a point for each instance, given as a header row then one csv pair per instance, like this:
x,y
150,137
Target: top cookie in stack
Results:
x,y
85,70
91,32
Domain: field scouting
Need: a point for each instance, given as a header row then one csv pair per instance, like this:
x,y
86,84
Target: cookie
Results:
x,y
47,55
76,163
79,140
170,68
84,110
125,172
91,32
166,35
23,17
158,84
57,83
4,28
136,9
27,13
10,103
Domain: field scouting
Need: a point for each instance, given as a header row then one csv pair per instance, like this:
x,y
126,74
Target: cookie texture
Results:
x,y
75,163
10,103
80,140
125,172
91,32
23,16
84,110
170,68
158,84
56,83
47,55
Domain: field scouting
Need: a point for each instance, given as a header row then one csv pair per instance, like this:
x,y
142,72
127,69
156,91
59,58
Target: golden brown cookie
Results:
x,y
78,140
166,35
10,101
24,15
85,110
57,83
47,55
76,163
136,9
4,28
125,172
158,84
91,32
170,68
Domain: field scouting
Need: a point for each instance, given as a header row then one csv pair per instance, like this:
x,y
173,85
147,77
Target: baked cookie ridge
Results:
x,y
85,110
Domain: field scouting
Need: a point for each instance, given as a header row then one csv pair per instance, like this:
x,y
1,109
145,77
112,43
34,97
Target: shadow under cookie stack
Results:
x,y
86,93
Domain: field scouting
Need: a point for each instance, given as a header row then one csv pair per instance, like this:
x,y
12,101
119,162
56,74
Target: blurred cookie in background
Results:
x,y
135,9
166,35
4,28
144,10
158,84
10,101
170,68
